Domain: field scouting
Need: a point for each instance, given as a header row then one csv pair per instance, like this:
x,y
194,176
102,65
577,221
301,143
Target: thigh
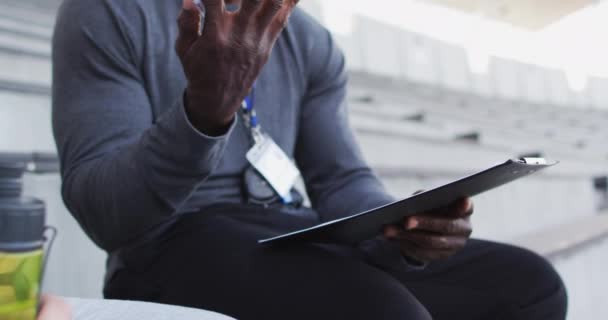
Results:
x,y
215,263
490,281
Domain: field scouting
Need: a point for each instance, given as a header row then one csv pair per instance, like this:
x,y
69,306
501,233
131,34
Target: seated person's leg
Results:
x,y
490,281
213,262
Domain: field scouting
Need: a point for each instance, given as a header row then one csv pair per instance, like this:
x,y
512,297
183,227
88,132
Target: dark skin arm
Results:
x,y
434,235
223,62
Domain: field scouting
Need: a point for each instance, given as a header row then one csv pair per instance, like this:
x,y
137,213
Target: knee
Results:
x,y
542,285
388,302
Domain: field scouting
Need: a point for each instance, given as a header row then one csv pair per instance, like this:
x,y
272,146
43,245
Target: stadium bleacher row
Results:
x,y
422,118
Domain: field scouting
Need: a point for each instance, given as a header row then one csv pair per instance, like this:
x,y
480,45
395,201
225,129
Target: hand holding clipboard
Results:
x,y
367,225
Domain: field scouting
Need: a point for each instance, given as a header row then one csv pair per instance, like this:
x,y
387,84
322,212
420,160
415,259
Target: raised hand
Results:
x,y
222,63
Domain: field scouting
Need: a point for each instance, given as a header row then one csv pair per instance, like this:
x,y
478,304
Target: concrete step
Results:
x,y
397,128
29,13
25,88
25,69
405,146
566,237
25,123
18,45
36,162
494,127
27,30
578,250
585,276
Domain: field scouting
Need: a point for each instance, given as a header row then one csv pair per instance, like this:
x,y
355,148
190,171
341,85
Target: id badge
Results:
x,y
274,165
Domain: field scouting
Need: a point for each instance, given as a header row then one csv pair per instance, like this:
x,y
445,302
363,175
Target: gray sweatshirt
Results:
x,y
132,161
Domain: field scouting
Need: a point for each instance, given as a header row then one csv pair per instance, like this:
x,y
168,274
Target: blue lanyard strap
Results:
x,y
250,116
249,108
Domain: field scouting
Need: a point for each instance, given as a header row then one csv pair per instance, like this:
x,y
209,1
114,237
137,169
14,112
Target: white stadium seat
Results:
x,y
421,58
506,77
560,93
352,52
598,93
535,85
454,71
380,47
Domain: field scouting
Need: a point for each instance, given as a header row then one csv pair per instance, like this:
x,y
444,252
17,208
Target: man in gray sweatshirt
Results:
x,y
153,137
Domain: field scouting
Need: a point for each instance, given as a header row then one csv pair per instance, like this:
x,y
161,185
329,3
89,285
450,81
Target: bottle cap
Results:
x,y
21,223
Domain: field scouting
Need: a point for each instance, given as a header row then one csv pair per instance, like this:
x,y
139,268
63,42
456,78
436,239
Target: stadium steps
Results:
x,y
25,120
493,131
25,70
581,232
25,53
15,44
30,16
25,30
373,121
493,124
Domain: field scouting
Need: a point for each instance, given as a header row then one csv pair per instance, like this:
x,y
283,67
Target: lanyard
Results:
x,y
250,116
252,178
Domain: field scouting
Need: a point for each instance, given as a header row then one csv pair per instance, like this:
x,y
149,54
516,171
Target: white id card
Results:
x,y
274,165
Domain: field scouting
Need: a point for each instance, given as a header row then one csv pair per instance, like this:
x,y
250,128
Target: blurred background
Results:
x,y
439,89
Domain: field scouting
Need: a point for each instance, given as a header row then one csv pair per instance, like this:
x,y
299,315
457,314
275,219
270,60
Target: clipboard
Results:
x,y
367,225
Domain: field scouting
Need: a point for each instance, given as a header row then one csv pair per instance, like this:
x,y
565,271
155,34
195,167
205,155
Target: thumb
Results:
x,y
189,24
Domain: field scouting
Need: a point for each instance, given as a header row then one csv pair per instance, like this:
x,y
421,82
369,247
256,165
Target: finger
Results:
x,y
268,13
461,208
189,25
431,241
439,225
414,251
392,232
214,9
282,17
249,8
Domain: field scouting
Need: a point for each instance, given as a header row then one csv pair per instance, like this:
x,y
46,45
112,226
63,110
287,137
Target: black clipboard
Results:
x,y
366,225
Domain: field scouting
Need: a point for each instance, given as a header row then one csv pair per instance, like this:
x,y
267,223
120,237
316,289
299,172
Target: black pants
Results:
x,y
211,261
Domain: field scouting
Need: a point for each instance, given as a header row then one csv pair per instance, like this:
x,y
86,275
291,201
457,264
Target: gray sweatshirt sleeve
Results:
x,y
123,171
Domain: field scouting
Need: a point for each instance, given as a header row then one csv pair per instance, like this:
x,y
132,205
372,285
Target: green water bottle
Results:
x,y
21,246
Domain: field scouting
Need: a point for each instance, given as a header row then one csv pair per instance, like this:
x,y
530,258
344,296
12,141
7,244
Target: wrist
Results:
x,y
207,124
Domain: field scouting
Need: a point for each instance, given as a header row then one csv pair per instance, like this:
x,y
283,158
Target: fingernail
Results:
x,y
412,224
390,232
189,5
467,205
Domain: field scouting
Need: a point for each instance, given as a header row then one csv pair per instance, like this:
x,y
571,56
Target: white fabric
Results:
x,y
84,309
